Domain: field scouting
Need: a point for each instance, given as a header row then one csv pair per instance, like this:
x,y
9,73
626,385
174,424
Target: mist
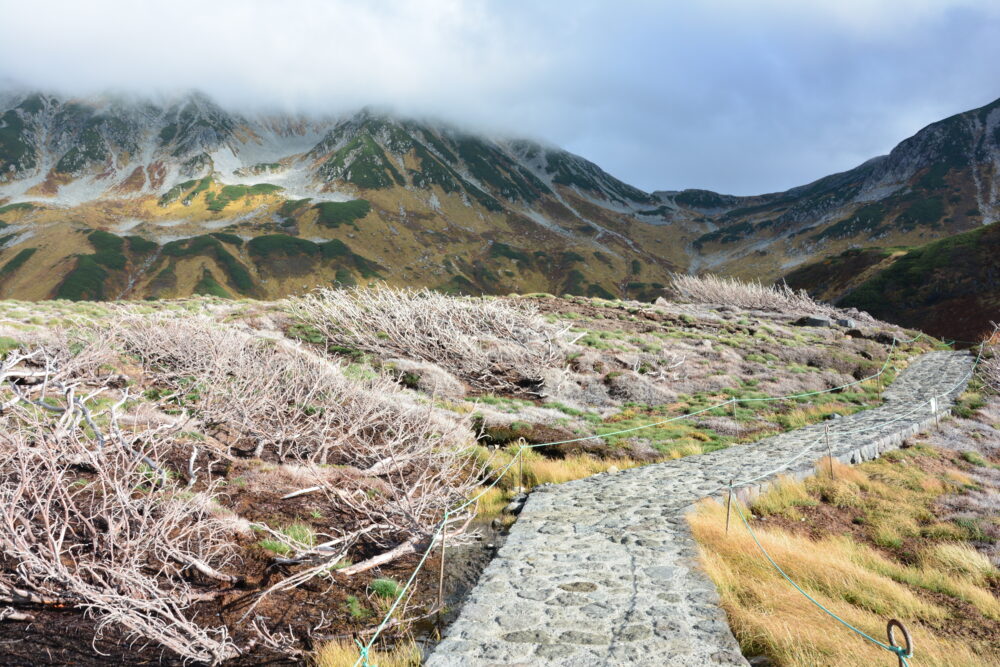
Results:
x,y
730,96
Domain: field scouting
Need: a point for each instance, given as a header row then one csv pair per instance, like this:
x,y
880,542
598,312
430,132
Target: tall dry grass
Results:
x,y
752,295
770,617
345,654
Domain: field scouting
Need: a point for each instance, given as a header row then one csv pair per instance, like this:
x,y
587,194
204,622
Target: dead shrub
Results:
x,y
87,519
490,343
752,295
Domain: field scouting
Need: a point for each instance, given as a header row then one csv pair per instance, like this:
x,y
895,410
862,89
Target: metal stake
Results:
x,y
444,531
729,502
829,449
520,467
934,409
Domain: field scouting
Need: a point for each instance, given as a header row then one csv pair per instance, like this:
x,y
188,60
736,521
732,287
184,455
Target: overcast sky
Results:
x,y
730,95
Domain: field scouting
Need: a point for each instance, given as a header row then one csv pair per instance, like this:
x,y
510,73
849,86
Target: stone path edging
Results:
x,y
603,570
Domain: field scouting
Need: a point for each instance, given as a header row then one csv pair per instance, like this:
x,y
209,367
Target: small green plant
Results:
x,y
386,588
974,458
357,610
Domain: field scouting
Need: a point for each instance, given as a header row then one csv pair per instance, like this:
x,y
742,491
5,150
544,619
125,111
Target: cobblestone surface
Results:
x,y
603,571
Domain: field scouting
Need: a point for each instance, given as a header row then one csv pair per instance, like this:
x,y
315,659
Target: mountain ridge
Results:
x,y
429,203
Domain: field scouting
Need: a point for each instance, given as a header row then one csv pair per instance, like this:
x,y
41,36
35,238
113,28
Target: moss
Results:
x,y
17,262
334,214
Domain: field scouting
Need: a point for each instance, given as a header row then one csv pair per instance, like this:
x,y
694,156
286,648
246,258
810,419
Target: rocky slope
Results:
x,y
949,287
117,197
940,181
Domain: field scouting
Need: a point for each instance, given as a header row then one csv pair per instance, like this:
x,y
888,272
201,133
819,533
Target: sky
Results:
x,y
729,95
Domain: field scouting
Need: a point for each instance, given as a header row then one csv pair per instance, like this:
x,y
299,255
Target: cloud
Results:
x,y
722,94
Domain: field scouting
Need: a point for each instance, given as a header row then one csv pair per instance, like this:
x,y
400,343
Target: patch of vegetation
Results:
x,y
89,149
15,149
22,206
498,249
208,246
141,246
209,286
702,199
231,239
433,172
85,282
895,553
866,219
17,262
271,244
363,163
946,287
291,205
389,589
926,211
231,193
335,214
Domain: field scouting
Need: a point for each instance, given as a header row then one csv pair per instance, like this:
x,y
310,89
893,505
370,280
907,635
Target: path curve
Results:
x,y
603,570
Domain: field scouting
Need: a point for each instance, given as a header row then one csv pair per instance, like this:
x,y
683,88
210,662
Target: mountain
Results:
x,y
949,288
125,197
943,180
117,197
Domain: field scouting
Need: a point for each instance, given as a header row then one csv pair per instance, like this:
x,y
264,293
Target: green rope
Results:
x,y
363,650
898,650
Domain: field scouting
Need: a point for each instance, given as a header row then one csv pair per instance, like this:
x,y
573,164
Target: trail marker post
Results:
x,y
444,531
729,503
829,449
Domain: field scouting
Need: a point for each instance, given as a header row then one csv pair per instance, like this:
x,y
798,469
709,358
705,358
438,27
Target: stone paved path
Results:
x,y
602,571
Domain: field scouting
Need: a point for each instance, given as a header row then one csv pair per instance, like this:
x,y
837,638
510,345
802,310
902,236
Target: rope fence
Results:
x,y
437,536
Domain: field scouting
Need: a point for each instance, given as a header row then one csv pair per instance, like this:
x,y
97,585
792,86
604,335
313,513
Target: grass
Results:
x,y
300,535
865,579
388,589
344,653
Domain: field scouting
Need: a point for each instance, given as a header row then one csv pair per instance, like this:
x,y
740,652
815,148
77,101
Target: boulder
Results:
x,y
813,321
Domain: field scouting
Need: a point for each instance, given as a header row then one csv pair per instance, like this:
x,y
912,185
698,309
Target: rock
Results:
x,y
813,321
847,322
516,504
613,470
660,301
